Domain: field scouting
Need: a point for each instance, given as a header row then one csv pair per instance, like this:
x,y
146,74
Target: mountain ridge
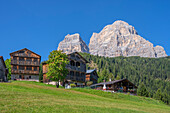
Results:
x,y
116,39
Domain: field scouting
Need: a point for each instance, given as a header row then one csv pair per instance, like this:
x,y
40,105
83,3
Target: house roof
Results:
x,y
25,49
79,55
1,57
111,82
90,71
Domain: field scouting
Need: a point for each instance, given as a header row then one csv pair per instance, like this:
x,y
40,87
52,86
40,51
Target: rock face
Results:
x,y
73,43
121,39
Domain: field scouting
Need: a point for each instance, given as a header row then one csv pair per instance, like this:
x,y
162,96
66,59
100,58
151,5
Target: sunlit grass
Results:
x,y
21,96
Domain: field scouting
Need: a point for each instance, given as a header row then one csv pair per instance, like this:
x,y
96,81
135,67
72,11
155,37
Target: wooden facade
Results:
x,y
76,68
122,85
25,65
91,75
3,70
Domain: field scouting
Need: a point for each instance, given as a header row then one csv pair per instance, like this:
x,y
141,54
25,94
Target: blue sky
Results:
x,y
40,25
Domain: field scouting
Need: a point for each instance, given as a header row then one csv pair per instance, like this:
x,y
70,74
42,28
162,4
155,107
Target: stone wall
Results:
x,y
26,77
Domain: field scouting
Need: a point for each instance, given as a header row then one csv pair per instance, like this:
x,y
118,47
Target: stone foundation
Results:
x,y
25,77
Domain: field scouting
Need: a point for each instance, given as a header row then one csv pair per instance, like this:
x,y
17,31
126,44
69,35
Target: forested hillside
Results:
x,y
153,72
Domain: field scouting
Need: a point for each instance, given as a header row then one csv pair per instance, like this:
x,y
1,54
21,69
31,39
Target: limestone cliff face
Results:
x,y
121,39
73,43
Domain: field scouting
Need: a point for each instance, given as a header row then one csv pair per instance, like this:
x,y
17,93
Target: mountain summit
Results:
x,y
117,39
73,43
121,39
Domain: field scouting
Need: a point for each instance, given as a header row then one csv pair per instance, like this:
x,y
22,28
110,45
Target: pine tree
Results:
x,y
142,91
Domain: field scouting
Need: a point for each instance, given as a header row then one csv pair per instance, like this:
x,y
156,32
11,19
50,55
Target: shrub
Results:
x,y
89,83
72,85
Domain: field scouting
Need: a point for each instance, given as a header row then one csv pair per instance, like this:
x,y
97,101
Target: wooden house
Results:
x,y
3,70
25,65
91,75
122,85
76,68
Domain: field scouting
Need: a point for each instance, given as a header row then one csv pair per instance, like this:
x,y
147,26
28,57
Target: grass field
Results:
x,y
22,96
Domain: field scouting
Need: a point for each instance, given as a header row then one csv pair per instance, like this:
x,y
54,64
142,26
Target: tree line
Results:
x,y
151,75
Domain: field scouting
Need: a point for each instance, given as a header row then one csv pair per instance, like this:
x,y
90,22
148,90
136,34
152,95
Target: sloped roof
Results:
x,y
111,82
90,71
1,57
79,55
25,49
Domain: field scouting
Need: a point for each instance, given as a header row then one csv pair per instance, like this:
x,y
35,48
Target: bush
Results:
x,y
72,85
89,83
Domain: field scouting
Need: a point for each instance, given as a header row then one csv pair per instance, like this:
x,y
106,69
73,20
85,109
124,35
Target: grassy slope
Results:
x,y
37,97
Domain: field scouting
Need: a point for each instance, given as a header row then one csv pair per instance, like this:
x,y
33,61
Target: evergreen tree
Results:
x,y
142,91
165,97
158,95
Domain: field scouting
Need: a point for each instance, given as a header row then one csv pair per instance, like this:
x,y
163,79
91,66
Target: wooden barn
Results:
x,y
122,85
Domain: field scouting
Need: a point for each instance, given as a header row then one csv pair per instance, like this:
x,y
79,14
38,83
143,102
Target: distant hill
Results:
x,y
33,97
153,72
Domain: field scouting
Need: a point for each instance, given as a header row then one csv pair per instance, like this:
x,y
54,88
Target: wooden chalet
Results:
x,y
3,70
91,75
122,85
25,65
76,68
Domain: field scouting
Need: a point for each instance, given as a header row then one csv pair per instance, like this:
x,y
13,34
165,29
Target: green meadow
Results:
x,y
31,97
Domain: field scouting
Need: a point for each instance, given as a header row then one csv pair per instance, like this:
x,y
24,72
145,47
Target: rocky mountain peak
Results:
x,y
73,43
121,39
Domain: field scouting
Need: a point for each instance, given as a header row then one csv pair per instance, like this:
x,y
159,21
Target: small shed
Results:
x,y
91,75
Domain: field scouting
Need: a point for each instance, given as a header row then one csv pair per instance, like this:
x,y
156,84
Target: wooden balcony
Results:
x,y
75,78
24,72
75,68
25,63
24,55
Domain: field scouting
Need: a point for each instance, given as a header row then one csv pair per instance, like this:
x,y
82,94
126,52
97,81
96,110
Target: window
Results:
x,y
29,59
35,68
72,55
35,59
29,68
77,74
22,52
15,58
72,63
19,76
71,73
78,64
21,67
29,77
21,59
15,67
82,75
29,54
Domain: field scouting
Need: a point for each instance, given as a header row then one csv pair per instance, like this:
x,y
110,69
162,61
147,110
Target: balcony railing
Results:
x,y
24,62
75,68
24,72
24,55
